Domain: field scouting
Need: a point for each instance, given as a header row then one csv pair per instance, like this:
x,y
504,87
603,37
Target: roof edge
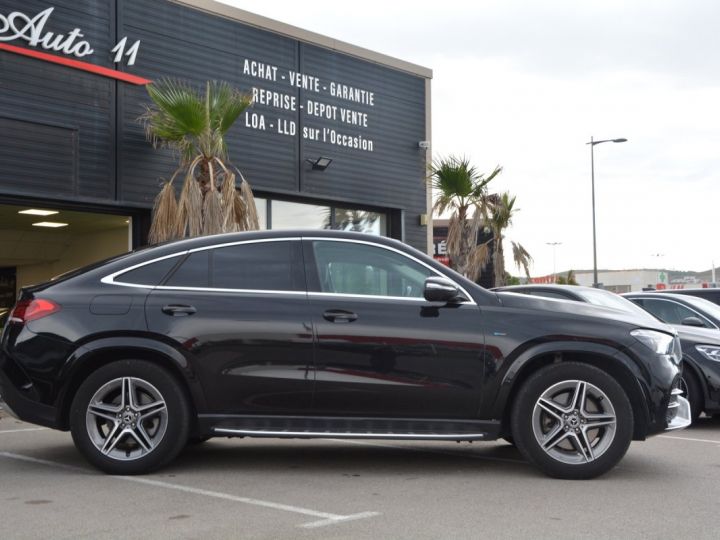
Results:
x,y
294,32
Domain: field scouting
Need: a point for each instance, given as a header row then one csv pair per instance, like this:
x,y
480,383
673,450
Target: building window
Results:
x,y
291,215
348,219
294,215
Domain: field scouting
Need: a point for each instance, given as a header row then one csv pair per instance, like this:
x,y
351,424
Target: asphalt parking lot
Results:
x,y
667,487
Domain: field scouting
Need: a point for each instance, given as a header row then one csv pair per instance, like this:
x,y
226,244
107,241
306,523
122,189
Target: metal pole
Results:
x,y
592,179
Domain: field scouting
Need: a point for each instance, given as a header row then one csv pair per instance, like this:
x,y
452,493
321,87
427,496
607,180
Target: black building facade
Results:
x,y
72,86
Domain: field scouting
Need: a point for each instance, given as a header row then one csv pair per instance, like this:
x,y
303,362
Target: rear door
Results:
x,y
240,311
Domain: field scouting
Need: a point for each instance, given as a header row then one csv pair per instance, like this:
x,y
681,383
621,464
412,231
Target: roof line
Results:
x,y
288,30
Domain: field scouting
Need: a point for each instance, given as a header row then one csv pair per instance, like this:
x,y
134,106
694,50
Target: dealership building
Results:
x,y
78,177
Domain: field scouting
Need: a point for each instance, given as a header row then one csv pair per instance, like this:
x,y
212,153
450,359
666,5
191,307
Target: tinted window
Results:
x,y
669,311
270,266
150,274
350,268
193,272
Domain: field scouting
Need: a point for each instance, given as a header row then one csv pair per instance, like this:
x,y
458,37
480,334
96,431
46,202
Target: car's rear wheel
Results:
x,y
572,420
130,417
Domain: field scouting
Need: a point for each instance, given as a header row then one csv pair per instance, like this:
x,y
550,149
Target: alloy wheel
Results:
x,y
126,418
574,422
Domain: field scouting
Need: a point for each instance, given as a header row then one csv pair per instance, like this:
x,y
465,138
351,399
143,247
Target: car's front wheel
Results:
x,y
572,420
130,417
693,393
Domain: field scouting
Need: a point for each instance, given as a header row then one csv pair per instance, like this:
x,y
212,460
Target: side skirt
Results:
x,y
308,427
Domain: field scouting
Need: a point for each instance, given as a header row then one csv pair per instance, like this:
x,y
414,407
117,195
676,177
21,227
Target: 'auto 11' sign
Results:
x,y
19,26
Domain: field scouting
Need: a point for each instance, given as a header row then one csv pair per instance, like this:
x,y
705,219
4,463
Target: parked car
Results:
x,y
697,321
678,309
701,375
308,334
711,294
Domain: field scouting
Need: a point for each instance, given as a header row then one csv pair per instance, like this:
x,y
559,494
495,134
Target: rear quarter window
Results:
x,y
150,274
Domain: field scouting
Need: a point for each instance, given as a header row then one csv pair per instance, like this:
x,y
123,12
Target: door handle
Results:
x,y
339,316
178,310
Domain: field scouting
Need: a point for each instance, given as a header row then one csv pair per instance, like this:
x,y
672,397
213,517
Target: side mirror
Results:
x,y
439,289
693,321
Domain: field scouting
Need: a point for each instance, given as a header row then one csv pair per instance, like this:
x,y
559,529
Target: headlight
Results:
x,y
710,352
658,342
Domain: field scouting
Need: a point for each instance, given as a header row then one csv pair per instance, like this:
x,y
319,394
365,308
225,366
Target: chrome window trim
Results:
x,y
672,301
400,252
240,242
368,296
110,279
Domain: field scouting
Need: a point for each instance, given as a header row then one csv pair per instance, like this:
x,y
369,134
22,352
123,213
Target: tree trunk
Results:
x,y
499,262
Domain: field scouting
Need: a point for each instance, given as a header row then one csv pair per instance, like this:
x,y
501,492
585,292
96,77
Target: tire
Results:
x,y
130,417
693,392
556,436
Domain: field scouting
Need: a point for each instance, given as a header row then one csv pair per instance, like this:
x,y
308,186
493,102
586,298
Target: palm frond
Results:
x,y
212,213
164,224
479,258
226,105
251,215
190,205
180,104
521,257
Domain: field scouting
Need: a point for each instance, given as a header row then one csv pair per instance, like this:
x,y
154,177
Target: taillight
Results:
x,y
31,310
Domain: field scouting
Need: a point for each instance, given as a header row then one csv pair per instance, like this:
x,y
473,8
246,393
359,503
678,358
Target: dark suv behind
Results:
x,y
324,334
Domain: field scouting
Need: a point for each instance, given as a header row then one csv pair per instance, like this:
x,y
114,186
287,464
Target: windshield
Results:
x,y
609,299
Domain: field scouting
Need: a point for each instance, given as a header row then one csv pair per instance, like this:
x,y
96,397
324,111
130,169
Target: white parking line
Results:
x,y
688,439
24,429
327,518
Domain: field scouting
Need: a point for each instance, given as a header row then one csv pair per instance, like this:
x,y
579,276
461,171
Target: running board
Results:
x,y
348,427
350,435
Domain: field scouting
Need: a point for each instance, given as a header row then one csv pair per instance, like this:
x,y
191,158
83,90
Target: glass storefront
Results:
x,y
294,215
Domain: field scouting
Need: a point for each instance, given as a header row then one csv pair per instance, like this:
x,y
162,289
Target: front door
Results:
x,y
382,349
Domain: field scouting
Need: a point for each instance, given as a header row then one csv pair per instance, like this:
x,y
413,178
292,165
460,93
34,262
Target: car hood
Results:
x,y
581,309
710,336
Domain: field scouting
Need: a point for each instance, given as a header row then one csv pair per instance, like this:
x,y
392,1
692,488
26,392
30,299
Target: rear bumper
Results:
x,y
24,408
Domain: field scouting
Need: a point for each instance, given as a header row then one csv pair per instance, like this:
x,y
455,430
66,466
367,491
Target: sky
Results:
x,y
525,84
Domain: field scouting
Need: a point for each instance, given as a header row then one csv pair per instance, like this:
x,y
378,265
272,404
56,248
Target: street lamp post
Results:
x,y
554,245
592,144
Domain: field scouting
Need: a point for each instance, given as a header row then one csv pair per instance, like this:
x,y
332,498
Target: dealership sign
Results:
x,y
19,26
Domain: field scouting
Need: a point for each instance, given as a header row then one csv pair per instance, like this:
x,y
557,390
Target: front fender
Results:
x,y
635,379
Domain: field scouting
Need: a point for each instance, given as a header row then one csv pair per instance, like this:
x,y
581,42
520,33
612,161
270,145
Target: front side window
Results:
x,y
353,268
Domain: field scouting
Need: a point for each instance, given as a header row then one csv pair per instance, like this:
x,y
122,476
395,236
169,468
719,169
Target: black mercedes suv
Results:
x,y
328,334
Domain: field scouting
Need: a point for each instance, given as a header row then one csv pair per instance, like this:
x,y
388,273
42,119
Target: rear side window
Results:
x,y
264,266
150,274
269,266
193,272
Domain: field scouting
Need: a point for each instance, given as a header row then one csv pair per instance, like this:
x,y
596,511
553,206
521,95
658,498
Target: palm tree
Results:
x,y
462,190
502,210
195,126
